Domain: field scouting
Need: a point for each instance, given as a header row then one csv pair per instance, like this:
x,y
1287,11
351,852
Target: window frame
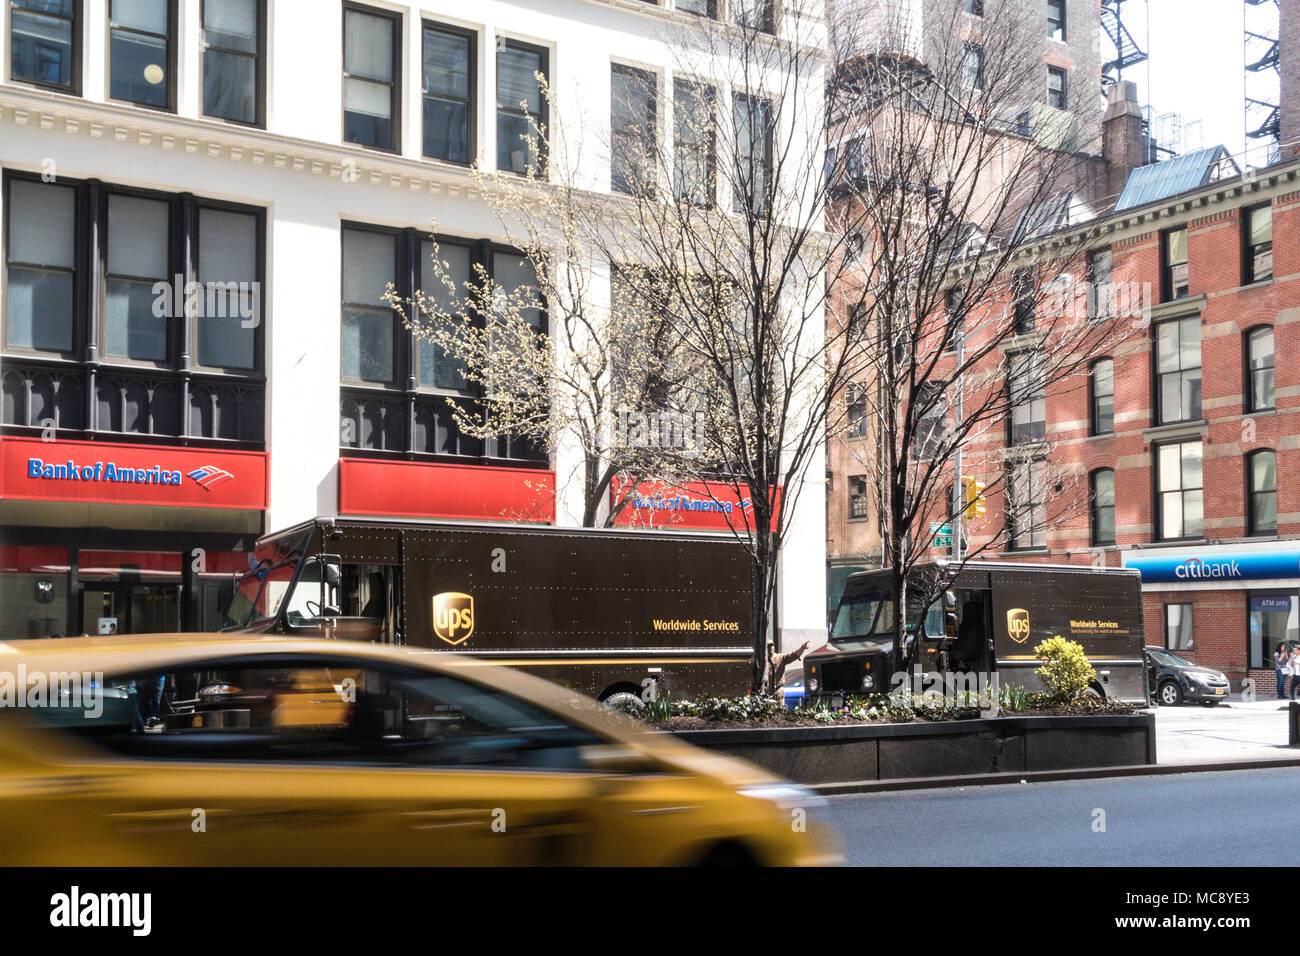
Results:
x,y
400,361
1249,250
1100,305
259,265
1252,403
1191,613
853,498
173,41
1094,416
1012,512
977,50
1167,268
82,281
1053,73
1056,21
259,120
1158,384
472,104
1038,394
396,94
77,21
1095,509
651,80
1024,293
973,7
1161,532
763,105
543,117
1252,512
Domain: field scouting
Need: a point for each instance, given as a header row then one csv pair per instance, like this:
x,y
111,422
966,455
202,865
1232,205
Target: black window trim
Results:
x,y
1094,428
1247,250
472,101
90,278
1157,391
1060,5
259,121
1155,479
543,118
1166,269
78,24
1251,491
398,25
1164,625
1094,508
1064,74
1014,508
652,79
173,41
1252,403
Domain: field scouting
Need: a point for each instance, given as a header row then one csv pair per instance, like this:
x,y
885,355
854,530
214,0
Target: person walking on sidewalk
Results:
x,y
1295,670
1282,666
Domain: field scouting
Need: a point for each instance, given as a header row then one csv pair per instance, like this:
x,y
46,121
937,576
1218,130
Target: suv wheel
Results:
x,y
1171,695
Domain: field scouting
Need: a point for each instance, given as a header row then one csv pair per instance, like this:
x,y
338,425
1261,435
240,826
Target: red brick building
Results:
x,y
1184,442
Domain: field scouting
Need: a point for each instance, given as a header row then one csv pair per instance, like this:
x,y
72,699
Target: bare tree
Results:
x,y
961,315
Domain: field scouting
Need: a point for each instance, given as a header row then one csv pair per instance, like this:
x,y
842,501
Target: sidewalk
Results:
x,y
1233,731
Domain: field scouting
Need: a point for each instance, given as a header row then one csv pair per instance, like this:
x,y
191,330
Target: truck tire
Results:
x,y
622,696
1171,695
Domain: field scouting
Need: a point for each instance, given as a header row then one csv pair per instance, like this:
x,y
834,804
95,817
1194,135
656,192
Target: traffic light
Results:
x,y
974,495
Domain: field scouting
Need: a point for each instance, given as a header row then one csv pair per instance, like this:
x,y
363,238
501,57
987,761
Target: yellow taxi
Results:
x,y
315,752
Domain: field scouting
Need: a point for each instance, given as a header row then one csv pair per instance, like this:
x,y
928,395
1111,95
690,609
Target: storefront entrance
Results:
x,y
130,609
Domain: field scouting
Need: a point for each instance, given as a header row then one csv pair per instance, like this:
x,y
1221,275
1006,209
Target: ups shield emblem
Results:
x,y
1018,624
453,616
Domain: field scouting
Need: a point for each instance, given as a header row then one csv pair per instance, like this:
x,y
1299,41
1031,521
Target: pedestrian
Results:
x,y
1281,665
1295,670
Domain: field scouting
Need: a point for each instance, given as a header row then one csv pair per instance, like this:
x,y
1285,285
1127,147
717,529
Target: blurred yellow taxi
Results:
x,y
327,753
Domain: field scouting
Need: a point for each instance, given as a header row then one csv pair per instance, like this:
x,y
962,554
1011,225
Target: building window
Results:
x,y
371,70
1027,505
1101,293
954,319
521,112
1027,382
369,324
1023,294
1174,243
859,503
929,427
158,356
972,67
753,117
1101,388
1259,244
1178,484
232,60
1103,506
975,7
138,243
1056,20
448,89
857,404
694,138
633,108
45,42
435,369
700,8
1259,370
756,14
1261,473
141,52
41,266
1178,628
1056,89
1178,370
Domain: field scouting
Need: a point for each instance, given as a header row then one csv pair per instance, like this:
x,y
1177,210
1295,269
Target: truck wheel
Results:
x,y
1094,691
622,699
1171,695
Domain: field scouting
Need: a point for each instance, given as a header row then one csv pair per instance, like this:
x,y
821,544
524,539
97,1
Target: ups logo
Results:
x,y
453,616
1018,624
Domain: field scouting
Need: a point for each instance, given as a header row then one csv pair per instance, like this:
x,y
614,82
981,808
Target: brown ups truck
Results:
x,y
987,619
615,614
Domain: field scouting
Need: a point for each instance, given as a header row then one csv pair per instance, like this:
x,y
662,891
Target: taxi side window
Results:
x,y
332,710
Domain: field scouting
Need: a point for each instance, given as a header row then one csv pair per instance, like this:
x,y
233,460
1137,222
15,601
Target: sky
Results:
x,y
1196,63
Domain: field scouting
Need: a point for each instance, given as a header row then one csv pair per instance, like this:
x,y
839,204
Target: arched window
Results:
x,y
1102,487
1101,396
1261,485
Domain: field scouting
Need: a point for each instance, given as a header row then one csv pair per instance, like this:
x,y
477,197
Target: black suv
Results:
x,y
1174,680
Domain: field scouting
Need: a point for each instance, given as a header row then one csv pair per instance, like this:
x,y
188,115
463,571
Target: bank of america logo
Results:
x,y
206,476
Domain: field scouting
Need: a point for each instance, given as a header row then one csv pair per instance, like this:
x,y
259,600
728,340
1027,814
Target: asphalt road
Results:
x,y
1195,819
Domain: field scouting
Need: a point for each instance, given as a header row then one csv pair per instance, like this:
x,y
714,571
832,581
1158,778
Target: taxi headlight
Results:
x,y
784,796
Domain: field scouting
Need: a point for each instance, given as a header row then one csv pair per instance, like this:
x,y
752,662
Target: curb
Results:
x,y
1041,776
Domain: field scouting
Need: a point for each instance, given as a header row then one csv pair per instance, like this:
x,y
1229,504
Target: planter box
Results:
x,y
844,754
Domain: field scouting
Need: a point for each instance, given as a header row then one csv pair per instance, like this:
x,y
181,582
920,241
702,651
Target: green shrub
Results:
x,y
1065,673
1012,698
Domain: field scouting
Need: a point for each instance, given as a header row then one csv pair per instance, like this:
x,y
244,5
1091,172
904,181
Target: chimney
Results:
x,y
1121,135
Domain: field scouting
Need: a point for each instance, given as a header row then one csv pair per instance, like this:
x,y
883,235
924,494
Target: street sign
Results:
x,y
941,534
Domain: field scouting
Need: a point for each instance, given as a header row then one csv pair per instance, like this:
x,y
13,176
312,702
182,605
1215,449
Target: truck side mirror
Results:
x,y
331,578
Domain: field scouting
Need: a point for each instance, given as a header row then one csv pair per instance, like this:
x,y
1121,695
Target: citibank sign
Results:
x,y
1248,566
